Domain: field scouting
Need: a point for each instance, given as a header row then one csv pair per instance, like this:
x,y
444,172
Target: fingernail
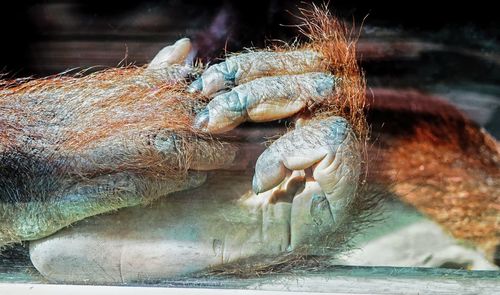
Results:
x,y
201,120
320,210
196,86
318,203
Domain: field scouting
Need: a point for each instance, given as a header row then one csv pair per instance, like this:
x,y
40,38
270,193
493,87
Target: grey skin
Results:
x,y
265,86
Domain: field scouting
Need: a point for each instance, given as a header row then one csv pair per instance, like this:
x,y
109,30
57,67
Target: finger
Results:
x,y
315,218
264,99
170,55
275,206
276,225
245,67
276,213
320,209
300,149
310,217
338,172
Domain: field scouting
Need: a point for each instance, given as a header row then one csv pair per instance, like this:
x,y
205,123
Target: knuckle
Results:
x,y
333,131
167,142
225,70
234,102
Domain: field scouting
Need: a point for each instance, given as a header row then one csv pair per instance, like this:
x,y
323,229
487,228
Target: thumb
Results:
x,y
172,54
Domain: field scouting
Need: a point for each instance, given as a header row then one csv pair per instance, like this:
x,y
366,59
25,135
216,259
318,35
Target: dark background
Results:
x,y
449,49
45,37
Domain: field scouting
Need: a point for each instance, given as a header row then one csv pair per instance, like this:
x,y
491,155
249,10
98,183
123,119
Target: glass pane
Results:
x,y
365,149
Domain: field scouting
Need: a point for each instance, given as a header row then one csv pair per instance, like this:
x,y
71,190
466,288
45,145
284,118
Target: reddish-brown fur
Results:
x,y
436,159
124,107
421,148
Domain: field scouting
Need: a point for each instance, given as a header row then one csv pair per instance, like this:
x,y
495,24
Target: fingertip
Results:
x,y
257,185
269,172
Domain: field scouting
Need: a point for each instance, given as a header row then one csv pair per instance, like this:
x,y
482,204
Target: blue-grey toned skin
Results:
x,y
265,99
330,150
327,146
41,190
264,86
242,68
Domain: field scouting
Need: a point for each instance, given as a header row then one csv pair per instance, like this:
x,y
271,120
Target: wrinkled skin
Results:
x,y
128,137
263,87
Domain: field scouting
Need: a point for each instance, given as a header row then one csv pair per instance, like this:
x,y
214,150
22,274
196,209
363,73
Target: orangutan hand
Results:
x,y
266,86
93,144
